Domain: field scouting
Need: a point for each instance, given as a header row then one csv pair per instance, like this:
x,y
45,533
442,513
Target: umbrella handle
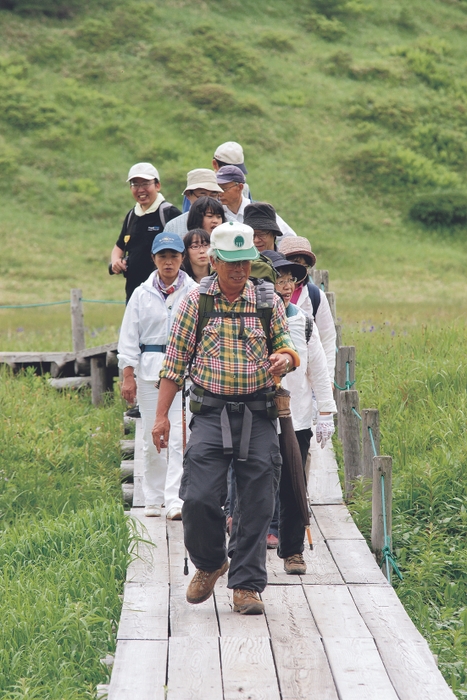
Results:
x,y
277,381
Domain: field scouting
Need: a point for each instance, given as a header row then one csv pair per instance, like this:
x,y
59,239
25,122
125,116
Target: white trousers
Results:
x,y
162,471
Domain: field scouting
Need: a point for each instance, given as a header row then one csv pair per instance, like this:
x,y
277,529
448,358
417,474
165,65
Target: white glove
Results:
x,y
324,429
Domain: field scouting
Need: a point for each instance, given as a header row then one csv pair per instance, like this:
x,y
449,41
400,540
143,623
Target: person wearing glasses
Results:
x,y
199,183
232,181
262,218
195,259
310,378
131,255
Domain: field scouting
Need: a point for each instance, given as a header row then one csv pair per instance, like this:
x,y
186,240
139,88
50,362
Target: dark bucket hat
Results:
x,y
262,216
281,264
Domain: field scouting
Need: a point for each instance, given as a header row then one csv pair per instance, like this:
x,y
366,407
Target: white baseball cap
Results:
x,y
231,153
233,242
145,170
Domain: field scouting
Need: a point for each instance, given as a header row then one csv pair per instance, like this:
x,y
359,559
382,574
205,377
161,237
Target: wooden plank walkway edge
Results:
x,y
339,632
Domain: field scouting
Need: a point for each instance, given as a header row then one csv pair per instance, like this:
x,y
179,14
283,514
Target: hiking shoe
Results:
x,y
247,602
133,412
272,541
152,511
202,584
295,564
175,513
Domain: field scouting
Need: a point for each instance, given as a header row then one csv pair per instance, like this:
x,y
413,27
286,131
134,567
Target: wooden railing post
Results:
x,y
345,368
331,297
382,466
77,321
370,421
350,437
321,279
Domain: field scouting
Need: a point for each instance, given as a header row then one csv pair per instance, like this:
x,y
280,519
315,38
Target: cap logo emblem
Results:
x,y
239,241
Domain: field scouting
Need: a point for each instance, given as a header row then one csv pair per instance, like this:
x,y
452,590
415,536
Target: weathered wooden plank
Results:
x,y
232,624
303,669
323,478
144,612
127,448
138,496
358,670
335,612
248,667
355,562
335,523
150,561
412,669
98,379
99,350
405,653
194,669
139,671
69,383
60,358
288,613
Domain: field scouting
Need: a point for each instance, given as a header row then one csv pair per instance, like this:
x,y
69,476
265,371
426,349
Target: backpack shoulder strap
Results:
x,y
308,328
205,307
315,296
162,209
264,305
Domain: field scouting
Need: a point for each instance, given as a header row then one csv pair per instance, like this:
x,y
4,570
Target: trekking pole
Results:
x,y
185,566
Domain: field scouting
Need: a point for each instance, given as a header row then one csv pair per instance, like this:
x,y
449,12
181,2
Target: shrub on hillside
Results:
x,y
424,58
387,164
213,97
444,145
228,54
388,112
440,208
26,108
329,29
277,41
9,159
339,8
52,8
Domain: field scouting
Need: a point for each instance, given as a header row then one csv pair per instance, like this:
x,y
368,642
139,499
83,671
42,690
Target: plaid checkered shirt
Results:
x,y
224,363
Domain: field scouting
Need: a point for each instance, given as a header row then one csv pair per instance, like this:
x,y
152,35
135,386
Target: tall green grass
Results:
x,y
64,539
417,378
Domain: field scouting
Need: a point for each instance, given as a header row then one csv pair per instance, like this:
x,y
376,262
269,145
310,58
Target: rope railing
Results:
x,y
348,384
55,303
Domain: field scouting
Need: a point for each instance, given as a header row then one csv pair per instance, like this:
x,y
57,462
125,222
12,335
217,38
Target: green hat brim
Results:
x,y
237,255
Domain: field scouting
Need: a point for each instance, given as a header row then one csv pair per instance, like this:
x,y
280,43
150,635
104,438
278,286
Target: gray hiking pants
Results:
x,y
204,490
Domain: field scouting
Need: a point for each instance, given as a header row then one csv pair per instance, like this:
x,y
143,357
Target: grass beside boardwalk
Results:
x,y
63,542
417,378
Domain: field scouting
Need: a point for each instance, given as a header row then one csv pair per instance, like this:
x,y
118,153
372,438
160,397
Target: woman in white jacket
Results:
x,y
141,348
310,377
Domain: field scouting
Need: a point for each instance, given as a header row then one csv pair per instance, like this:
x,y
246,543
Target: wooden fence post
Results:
x,y
77,321
98,378
345,368
350,437
321,279
382,466
370,420
331,297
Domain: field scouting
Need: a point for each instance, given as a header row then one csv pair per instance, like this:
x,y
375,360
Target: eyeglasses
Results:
x,y
236,263
226,189
286,282
197,246
212,195
262,236
141,185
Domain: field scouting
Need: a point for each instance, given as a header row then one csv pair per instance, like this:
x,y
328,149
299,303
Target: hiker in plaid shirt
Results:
x,y
233,418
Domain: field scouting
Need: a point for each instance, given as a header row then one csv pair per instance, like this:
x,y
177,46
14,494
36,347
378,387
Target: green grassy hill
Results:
x,y
344,119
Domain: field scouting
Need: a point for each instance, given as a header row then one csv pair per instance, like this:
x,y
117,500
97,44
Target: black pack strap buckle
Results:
x,y
235,407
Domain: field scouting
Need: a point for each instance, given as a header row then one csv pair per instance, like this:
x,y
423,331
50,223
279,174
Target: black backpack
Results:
x,y
315,296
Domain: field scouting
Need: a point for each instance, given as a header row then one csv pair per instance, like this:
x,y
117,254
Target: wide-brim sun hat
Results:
x,y
281,265
297,245
145,170
201,178
261,216
233,242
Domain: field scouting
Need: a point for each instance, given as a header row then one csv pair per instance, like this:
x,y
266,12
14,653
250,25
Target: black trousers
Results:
x,y
291,528
204,490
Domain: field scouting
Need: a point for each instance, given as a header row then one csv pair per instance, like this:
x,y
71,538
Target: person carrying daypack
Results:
x,y
232,371
131,254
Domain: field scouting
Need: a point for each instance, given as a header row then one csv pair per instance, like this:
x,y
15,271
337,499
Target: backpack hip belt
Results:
x,y
198,399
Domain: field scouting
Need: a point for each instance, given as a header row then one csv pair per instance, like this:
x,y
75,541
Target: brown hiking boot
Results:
x,y
247,602
202,584
295,564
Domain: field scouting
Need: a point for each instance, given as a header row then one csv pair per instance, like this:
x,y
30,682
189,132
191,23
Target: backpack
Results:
x,y
315,296
163,206
264,305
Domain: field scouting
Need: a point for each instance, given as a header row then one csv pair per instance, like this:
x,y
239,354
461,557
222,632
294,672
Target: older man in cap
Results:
x,y
131,255
232,359
231,153
232,181
200,182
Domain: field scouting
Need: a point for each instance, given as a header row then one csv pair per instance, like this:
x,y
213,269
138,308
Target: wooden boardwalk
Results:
x,y
337,633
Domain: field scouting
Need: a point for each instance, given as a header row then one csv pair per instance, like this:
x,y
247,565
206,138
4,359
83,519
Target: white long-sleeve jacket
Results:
x,y
147,321
311,376
325,323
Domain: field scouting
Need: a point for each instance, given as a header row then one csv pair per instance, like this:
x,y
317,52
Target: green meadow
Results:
x,y
353,119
